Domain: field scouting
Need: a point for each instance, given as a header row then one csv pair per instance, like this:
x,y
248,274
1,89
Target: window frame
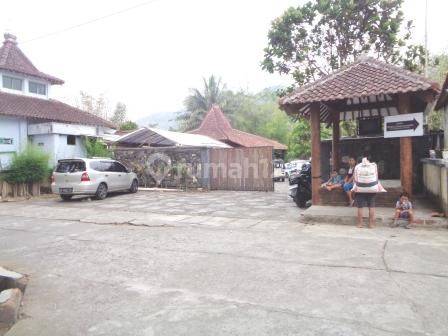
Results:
x,y
37,85
70,136
12,79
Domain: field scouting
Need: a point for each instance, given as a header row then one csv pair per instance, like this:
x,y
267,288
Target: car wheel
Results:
x,y
101,192
66,197
134,187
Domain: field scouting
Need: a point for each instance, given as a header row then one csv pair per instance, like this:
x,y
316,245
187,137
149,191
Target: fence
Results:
x,y
241,169
199,167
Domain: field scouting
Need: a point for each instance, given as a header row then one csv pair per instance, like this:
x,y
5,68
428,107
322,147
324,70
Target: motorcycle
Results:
x,y
300,186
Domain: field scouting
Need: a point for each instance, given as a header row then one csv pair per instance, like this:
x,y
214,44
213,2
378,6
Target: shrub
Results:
x,y
96,147
29,166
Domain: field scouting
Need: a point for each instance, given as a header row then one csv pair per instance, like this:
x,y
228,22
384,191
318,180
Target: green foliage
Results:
x,y
29,166
97,148
320,36
348,128
438,67
128,126
199,102
435,120
299,143
119,116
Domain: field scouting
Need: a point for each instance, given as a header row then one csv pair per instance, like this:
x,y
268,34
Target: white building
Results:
x,y
29,115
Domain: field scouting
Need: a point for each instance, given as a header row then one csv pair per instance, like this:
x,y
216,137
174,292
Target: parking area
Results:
x,y
218,263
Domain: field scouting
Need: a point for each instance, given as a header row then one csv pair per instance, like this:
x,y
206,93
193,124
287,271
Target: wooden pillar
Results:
x,y
406,162
315,152
335,143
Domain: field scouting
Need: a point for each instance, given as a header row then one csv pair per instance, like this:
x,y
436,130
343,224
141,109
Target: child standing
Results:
x,y
403,210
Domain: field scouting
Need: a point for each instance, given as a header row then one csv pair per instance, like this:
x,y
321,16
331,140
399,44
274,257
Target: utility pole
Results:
x,y
426,39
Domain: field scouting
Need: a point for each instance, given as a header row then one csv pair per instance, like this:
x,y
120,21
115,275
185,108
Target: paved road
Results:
x,y
205,264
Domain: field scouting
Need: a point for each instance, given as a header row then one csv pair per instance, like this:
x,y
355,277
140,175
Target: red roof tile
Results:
x,y
367,76
47,109
14,60
217,126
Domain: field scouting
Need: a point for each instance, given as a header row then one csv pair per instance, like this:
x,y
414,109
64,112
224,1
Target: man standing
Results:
x,y
366,186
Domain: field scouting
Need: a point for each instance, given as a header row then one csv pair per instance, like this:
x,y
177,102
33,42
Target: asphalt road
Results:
x,y
218,263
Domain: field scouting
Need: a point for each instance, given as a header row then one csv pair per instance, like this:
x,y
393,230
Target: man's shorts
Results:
x,y
347,186
365,200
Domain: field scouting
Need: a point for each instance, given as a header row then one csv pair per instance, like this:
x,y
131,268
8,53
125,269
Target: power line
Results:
x,y
63,30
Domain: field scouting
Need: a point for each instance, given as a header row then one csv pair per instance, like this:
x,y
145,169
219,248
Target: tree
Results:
x,y
119,116
94,105
299,143
316,38
437,71
199,102
128,126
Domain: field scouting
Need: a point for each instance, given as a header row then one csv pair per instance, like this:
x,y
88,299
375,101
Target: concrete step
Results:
x,y
320,214
339,198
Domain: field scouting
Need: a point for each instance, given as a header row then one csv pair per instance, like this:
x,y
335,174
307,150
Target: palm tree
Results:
x,y
198,103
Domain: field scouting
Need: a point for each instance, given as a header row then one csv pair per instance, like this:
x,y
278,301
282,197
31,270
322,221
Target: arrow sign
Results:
x,y
402,125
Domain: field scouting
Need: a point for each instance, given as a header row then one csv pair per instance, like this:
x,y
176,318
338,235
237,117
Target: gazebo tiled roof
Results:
x,y
14,60
217,126
366,80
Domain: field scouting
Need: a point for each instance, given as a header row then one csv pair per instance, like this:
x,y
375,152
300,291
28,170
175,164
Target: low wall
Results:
x,y
8,190
167,167
435,180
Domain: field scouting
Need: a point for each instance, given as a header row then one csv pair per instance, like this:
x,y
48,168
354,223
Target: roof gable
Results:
x,y
442,101
14,60
217,126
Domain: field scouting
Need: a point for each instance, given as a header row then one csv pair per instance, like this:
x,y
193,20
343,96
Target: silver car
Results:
x,y
96,177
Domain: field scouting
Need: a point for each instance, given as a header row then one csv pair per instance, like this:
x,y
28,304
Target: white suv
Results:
x,y
96,177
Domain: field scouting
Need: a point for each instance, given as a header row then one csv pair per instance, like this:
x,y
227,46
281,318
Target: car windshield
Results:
x,y
72,166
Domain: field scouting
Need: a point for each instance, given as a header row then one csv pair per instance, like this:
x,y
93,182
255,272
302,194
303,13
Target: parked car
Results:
x,y
294,167
279,170
97,176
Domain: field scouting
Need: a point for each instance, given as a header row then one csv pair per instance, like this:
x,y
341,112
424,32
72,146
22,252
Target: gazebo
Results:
x,y
365,88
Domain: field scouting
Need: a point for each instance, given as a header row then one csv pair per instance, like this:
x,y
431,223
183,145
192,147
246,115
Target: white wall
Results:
x,y
26,79
64,151
15,129
56,146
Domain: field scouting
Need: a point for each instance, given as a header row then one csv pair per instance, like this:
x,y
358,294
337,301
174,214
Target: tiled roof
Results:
x,y
442,101
14,60
365,77
47,109
217,126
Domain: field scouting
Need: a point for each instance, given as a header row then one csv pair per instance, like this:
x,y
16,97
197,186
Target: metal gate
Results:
x,y
241,169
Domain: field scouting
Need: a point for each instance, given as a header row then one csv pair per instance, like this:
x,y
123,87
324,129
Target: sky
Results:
x,y
150,56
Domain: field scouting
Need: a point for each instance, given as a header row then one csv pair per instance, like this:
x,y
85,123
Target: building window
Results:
x,y
12,83
37,88
71,140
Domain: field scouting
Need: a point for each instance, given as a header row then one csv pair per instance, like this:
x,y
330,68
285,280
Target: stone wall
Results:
x,y
435,180
167,167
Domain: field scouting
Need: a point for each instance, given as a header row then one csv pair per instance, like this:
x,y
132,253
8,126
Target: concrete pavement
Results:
x,y
219,272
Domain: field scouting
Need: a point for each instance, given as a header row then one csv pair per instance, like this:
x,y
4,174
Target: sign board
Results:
x,y
403,125
5,141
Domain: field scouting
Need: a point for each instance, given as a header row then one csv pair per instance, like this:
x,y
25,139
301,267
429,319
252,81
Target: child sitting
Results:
x,y
403,210
335,181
